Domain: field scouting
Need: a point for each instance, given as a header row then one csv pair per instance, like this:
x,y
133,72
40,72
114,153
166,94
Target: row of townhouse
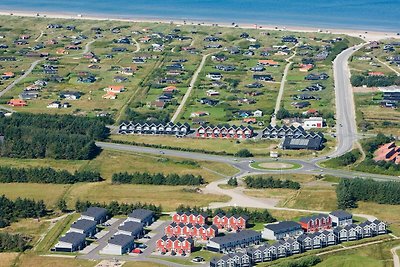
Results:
x,y
195,231
169,128
272,132
175,245
230,222
236,132
316,223
307,241
190,217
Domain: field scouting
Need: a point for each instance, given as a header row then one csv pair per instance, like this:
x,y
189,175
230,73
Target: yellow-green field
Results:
x,y
31,227
30,260
6,259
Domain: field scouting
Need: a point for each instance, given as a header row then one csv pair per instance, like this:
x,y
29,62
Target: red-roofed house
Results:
x,y
170,89
268,62
17,103
115,89
388,152
305,67
376,73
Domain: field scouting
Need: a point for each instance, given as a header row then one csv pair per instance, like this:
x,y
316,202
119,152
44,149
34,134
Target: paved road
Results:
x,y
345,110
189,90
396,260
27,72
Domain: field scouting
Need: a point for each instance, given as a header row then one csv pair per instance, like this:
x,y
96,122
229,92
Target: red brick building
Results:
x,y
175,245
316,223
196,231
190,217
230,222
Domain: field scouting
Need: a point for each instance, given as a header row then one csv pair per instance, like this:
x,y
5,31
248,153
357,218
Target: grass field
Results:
x,y
69,165
283,195
6,259
50,193
30,260
169,197
29,227
142,264
217,145
323,199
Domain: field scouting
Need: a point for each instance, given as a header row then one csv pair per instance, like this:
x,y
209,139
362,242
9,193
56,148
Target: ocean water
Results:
x,y
348,14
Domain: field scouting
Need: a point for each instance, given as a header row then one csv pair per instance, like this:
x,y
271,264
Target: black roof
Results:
x,y
83,224
141,214
284,226
341,214
132,227
302,143
73,238
121,240
236,236
95,212
313,217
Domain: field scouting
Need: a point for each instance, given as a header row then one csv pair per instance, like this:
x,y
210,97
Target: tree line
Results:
x,y
269,182
156,178
374,81
115,208
20,208
50,136
46,176
255,216
349,191
13,242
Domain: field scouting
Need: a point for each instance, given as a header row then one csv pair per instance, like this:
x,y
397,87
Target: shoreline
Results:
x,y
364,34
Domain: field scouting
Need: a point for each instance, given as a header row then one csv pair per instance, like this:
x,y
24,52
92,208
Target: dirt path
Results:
x,y
191,85
396,260
282,88
390,67
353,247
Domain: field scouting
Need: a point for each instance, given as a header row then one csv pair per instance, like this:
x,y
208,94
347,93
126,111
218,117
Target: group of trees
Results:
x,y
260,182
13,242
345,159
157,179
51,136
46,176
11,211
255,216
233,182
115,208
243,153
284,113
374,81
349,191
150,117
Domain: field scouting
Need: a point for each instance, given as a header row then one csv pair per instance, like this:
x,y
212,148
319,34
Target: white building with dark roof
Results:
x,y
119,245
146,217
281,230
341,218
71,242
230,242
95,214
83,226
131,228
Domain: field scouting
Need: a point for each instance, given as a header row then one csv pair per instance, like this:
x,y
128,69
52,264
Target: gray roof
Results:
x,y
73,238
313,217
341,214
236,237
141,214
132,227
83,224
284,226
95,212
121,240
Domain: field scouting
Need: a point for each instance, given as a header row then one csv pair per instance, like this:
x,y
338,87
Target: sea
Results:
x,y
333,14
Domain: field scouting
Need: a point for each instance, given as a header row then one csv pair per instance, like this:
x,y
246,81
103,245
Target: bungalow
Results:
x,y
119,245
71,242
230,242
83,226
281,230
289,39
146,217
258,113
199,114
230,222
99,215
313,77
212,93
170,89
341,218
130,228
54,104
305,67
69,95
262,77
115,89
313,122
8,75
109,95
301,105
268,62
214,76
17,103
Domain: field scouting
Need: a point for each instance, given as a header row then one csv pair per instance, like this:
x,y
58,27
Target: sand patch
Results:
x,y
276,165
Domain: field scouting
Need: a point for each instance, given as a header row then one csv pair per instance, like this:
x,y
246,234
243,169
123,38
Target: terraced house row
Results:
x,y
235,132
238,257
190,217
169,128
195,231
175,245
272,132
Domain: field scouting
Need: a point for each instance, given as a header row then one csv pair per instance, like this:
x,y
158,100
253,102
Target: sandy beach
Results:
x,y
366,35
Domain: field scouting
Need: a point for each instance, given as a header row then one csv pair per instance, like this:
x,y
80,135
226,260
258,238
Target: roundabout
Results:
x,y
275,165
